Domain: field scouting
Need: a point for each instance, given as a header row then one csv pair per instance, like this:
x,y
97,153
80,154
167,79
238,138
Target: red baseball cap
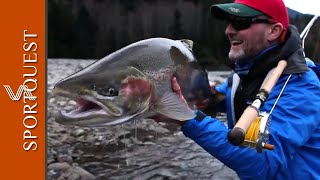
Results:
x,y
275,9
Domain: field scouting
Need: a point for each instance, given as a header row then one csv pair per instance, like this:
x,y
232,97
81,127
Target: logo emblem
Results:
x,y
233,9
22,89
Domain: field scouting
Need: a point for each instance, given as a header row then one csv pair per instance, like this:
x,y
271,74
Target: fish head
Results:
x,y
104,97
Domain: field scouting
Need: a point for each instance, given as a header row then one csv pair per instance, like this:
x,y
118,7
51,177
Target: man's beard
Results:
x,y
236,56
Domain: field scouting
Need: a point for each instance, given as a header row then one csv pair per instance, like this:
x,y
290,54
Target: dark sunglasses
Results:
x,y
244,23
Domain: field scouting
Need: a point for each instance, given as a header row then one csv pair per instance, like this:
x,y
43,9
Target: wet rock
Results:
x,y
59,166
77,173
90,139
53,135
78,132
62,103
55,143
101,138
64,158
52,100
60,130
67,138
72,103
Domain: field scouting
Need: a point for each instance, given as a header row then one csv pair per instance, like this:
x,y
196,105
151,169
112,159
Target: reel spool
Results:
x,y
258,133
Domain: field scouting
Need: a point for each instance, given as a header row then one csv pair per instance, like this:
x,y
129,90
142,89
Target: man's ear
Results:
x,y
275,31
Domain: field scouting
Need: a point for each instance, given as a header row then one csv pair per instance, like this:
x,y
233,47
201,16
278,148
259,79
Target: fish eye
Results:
x,y
108,91
93,87
111,92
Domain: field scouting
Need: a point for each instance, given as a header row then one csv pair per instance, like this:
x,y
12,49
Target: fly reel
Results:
x,y
258,133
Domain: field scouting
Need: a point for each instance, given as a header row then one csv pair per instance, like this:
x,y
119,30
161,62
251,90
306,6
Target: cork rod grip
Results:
x,y
237,135
274,76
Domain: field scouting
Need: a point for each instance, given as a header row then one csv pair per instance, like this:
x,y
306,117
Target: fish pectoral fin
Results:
x,y
171,106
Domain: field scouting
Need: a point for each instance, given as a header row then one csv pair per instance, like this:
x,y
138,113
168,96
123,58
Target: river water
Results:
x,y
136,150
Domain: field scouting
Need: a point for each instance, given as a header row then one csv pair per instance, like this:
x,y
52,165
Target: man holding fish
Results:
x,y
260,36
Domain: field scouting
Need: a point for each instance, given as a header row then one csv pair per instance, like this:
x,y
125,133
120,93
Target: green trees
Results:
x,y
93,29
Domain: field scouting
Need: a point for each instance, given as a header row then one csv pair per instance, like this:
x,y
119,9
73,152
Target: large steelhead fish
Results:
x,y
134,83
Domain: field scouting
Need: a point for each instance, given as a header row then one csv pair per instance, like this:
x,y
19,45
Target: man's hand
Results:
x,y
199,105
176,88
203,104
213,87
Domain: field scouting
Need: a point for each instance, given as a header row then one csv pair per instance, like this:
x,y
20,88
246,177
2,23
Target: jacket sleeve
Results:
x,y
211,135
223,89
294,119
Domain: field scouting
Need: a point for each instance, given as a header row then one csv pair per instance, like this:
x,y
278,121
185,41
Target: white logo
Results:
x,y
17,96
233,9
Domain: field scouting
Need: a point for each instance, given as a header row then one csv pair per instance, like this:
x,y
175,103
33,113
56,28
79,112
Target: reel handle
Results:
x,y
268,146
237,135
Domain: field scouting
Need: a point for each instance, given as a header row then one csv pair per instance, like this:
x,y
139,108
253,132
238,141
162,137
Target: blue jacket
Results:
x,y
295,132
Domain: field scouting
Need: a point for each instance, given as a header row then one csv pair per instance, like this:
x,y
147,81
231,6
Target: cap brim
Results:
x,y
222,11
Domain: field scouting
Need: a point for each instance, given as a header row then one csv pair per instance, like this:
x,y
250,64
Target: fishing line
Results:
x,y
305,32
285,84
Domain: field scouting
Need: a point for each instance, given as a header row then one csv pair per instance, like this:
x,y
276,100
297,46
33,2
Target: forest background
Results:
x,y
92,29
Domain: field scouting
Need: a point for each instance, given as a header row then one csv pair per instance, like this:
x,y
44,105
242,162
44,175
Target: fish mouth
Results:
x,y
85,109
89,111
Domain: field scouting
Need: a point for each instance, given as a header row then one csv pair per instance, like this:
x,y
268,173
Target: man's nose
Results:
x,y
230,30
